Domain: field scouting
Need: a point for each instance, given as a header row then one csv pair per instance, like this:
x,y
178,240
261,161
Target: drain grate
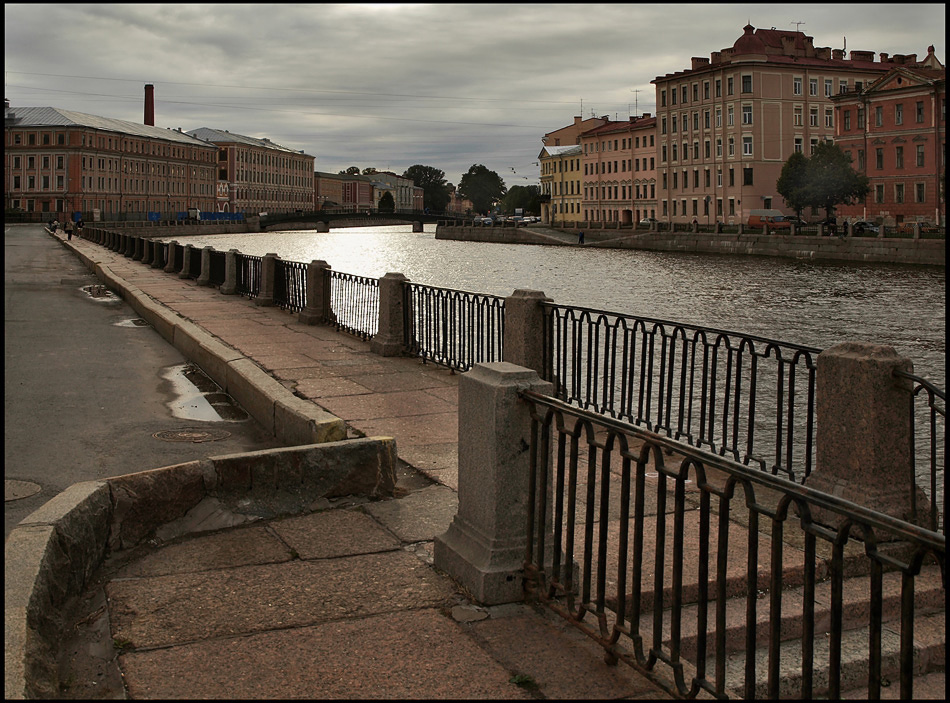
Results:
x,y
191,434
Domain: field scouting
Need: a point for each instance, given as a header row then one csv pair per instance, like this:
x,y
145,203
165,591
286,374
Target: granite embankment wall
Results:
x,y
928,252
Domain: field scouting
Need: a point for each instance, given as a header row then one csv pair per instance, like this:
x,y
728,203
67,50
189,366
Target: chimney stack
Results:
x,y
150,104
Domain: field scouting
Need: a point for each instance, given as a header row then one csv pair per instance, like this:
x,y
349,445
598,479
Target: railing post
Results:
x,y
148,251
186,254
863,439
484,547
204,279
157,250
138,248
229,287
524,329
390,338
317,289
268,274
173,247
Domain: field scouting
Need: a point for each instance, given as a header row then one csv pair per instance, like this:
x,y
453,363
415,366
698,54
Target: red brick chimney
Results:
x,y
150,104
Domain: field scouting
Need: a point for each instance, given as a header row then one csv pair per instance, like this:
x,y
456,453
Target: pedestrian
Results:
x,y
79,225
69,230
580,237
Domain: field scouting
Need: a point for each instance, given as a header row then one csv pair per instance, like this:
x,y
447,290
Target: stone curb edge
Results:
x,y
54,552
292,420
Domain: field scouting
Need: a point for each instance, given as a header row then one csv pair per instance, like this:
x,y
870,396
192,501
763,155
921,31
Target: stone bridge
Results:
x,y
322,220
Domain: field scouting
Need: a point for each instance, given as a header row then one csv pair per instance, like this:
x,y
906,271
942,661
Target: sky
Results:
x,y
393,85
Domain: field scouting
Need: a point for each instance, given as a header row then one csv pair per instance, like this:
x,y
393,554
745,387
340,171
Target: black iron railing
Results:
x,y
248,281
929,453
709,574
194,263
453,328
290,285
217,271
739,395
353,303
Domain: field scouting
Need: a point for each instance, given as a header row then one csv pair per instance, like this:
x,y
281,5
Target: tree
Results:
x,y
351,171
528,198
482,187
823,180
831,180
369,171
790,184
434,187
386,203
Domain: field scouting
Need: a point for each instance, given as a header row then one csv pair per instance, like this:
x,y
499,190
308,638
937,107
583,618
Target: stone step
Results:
x,y
929,597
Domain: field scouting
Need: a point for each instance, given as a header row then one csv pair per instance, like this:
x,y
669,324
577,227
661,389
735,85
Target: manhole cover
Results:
x,y
14,490
191,434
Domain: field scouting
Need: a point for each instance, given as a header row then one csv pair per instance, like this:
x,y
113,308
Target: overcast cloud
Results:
x,y
392,85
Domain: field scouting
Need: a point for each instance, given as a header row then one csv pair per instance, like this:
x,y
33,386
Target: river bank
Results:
x,y
925,252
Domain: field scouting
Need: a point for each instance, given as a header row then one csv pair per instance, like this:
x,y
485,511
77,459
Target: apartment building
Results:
x,y
342,192
728,123
257,175
560,167
402,190
619,170
63,162
895,131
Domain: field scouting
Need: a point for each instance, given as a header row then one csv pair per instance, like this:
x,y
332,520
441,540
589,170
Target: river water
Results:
x,y
800,302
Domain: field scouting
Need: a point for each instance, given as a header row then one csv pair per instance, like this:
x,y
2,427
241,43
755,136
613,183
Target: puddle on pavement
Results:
x,y
99,292
135,322
197,397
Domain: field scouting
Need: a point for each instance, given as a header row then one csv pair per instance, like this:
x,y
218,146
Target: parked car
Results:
x,y
863,227
649,222
797,221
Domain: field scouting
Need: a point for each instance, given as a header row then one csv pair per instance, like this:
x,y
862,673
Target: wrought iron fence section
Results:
x,y
160,254
740,395
354,303
612,509
194,263
217,272
290,285
248,272
929,428
453,328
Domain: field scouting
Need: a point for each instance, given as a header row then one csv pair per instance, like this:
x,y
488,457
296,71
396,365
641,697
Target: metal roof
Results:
x,y
57,117
219,136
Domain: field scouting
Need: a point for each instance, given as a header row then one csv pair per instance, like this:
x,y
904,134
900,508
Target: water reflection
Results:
x,y
801,302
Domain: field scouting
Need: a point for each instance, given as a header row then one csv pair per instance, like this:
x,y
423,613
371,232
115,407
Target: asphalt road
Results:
x,y
85,388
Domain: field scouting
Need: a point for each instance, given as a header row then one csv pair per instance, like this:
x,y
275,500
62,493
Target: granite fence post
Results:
x,y
186,253
139,248
390,336
524,329
864,441
484,547
173,247
318,294
268,274
148,251
204,278
229,287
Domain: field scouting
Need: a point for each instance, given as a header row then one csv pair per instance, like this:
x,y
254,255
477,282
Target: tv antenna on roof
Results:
x,y
797,25
636,97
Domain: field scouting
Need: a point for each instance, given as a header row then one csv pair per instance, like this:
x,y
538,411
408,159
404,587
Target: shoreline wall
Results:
x,y
925,252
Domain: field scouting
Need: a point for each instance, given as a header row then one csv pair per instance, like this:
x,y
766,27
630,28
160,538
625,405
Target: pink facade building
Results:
x,y
895,131
727,124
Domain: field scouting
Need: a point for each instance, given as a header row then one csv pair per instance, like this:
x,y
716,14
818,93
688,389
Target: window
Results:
x,y
860,118
899,113
674,124
730,83
706,119
813,86
829,87
746,114
879,116
732,146
662,125
920,112
813,117
684,94
695,92
696,120
746,84
861,164
696,150
695,178
719,178
747,146
706,178
829,117
718,87
684,122
674,152
899,157
706,149
663,154
898,192
675,184
879,158
662,98
797,86
706,90
747,177
920,192
920,155
730,116
732,206
847,120
672,96
797,121
732,177
719,147
842,86
879,194
798,145
719,117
